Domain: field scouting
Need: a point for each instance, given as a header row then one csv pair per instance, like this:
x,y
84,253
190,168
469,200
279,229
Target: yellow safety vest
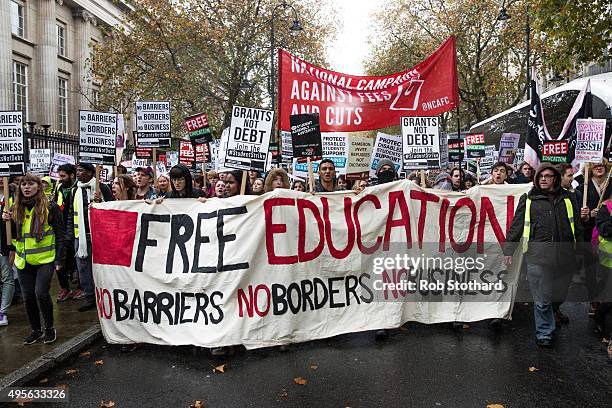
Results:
x,y
28,249
527,224
605,252
75,212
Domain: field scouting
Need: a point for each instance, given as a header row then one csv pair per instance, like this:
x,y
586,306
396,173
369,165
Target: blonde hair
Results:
x,y
41,206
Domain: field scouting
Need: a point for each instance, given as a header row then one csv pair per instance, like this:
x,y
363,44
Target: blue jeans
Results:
x,y
541,286
85,269
8,283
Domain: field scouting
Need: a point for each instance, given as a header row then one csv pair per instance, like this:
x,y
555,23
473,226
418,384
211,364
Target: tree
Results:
x,y
195,53
581,28
490,55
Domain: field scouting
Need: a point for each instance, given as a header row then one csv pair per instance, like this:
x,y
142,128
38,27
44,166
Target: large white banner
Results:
x,y
289,267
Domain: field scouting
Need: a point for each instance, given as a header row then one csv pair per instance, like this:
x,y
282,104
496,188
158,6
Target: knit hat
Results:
x,y
384,162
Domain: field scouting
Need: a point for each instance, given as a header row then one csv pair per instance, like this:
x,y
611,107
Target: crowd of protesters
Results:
x,y
51,228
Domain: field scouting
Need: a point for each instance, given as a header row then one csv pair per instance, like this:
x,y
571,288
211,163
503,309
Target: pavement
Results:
x,y
417,366
69,323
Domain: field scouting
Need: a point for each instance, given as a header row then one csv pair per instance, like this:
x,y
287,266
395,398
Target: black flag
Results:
x,y
537,133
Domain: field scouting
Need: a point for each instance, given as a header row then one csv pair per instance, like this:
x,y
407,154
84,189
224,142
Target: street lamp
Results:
x,y
295,29
504,16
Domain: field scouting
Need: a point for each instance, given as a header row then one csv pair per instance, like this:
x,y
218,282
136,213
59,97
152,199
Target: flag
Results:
x,y
537,133
582,109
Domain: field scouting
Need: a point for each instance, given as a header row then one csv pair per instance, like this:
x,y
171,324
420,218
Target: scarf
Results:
x,y
90,187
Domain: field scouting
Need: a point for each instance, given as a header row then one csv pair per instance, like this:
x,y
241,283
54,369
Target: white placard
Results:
x,y
98,135
11,143
58,160
249,138
590,136
421,142
153,123
40,160
386,147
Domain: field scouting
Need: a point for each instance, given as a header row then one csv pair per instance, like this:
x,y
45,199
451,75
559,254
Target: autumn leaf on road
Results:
x,y
283,395
197,404
532,369
44,381
109,404
300,381
314,366
72,371
219,369
21,402
85,354
495,406
99,362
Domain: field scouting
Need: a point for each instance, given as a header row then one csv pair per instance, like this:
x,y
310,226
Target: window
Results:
x,y
95,98
61,39
62,106
20,87
17,18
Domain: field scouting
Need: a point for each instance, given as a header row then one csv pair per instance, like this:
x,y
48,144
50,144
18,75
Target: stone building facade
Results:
x,y
44,47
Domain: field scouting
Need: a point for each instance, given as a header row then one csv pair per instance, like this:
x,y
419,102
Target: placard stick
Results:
x,y
98,170
9,232
478,170
423,184
204,179
604,188
310,176
245,176
154,166
586,184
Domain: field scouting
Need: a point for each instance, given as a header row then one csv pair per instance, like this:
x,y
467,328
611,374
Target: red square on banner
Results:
x,y
112,236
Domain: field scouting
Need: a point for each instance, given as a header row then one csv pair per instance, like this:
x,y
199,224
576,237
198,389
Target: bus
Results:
x,y
556,104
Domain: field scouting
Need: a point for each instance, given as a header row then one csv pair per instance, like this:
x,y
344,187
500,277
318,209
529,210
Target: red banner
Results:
x,y
349,103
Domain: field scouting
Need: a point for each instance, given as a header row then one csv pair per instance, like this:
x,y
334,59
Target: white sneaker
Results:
x,y
3,320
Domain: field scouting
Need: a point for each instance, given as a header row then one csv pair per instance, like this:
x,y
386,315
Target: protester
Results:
x,y
547,218
145,190
499,174
124,188
198,183
163,185
299,185
222,175
258,186
78,227
233,183
63,198
567,176
443,182
359,186
596,193
121,169
212,177
220,189
456,175
253,175
182,184
327,177
469,181
6,272
385,173
276,178
342,184
47,187
604,230
39,249
525,174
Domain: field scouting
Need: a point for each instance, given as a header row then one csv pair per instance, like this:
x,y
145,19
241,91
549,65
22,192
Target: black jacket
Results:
x,y
592,201
551,242
189,191
604,223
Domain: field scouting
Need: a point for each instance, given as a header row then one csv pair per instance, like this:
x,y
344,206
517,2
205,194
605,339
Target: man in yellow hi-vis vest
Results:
x,y
547,221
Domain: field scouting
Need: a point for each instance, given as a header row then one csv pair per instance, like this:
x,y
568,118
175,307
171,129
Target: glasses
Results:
x,y
546,176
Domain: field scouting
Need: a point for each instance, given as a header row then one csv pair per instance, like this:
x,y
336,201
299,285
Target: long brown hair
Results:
x,y
41,207
127,184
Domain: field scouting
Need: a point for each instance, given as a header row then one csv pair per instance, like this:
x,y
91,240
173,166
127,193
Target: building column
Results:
x,y
84,21
47,57
6,57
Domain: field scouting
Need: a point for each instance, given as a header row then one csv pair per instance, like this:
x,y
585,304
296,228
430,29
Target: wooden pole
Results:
x,y
9,232
310,176
423,183
478,170
98,170
204,179
604,188
154,166
245,176
586,184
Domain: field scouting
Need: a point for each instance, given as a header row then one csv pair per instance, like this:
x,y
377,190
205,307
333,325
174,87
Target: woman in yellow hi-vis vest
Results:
x,y
38,239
